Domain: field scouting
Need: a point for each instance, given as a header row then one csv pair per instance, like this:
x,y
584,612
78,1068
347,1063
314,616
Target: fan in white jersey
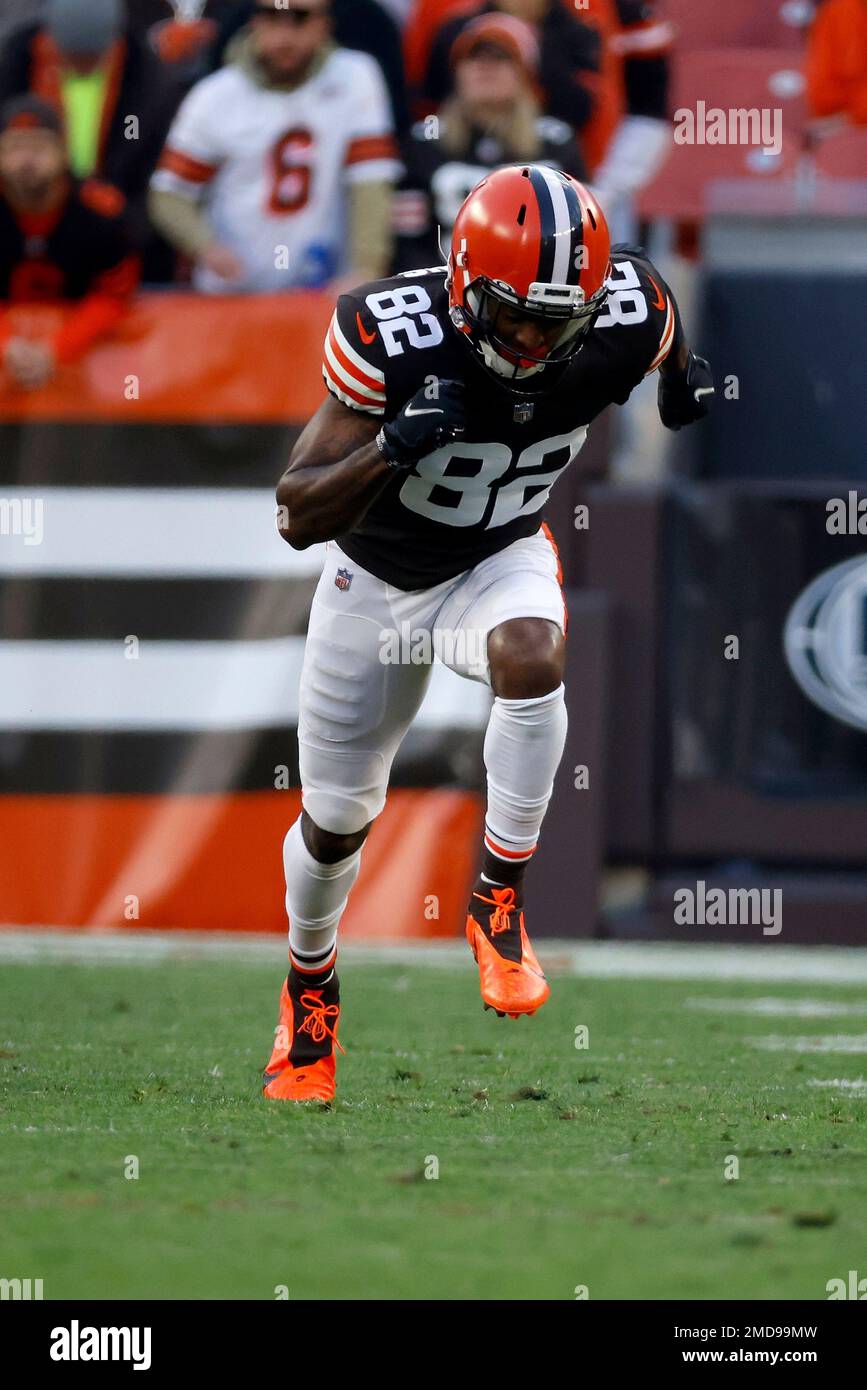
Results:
x,y
277,170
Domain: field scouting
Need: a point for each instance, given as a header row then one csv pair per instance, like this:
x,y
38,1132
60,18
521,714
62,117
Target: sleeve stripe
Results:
x,y
350,380
187,168
349,397
353,360
370,147
666,340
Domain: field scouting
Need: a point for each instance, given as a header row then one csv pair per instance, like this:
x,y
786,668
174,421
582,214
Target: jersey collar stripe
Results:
x,y
350,397
666,340
554,260
342,367
354,357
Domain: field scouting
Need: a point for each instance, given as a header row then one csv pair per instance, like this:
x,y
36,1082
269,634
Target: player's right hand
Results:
x,y
425,423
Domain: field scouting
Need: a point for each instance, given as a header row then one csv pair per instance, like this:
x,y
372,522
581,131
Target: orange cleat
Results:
x,y
302,1063
511,978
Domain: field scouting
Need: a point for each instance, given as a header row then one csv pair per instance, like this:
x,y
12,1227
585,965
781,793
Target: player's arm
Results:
x,y
686,386
335,472
685,380
351,449
344,459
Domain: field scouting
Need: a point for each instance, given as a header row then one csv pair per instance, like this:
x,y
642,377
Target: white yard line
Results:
x,y
760,964
857,1086
779,1008
851,1043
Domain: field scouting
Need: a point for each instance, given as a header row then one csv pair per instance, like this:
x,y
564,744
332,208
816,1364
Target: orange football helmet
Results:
x,y
533,242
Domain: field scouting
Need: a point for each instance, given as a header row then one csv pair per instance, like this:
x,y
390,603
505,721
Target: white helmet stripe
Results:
x,y
562,225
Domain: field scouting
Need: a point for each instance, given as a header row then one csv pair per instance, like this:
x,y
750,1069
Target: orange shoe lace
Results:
x,y
317,1013
503,902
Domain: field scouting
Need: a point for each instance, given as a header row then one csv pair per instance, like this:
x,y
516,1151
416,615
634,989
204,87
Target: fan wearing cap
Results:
x,y
570,55
114,99
493,117
60,241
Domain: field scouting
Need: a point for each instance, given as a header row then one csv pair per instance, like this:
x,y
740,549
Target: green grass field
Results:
x,y
558,1167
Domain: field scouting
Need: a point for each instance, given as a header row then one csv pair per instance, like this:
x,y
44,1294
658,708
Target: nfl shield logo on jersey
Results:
x,y
343,579
523,413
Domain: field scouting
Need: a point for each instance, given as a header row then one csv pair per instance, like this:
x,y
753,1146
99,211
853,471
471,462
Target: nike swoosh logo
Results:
x,y
703,391
658,302
364,336
409,411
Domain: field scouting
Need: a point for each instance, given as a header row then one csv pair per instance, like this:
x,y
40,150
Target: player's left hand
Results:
x,y
685,398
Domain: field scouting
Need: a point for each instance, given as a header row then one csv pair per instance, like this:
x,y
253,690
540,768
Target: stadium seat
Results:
x,y
842,154
736,24
747,78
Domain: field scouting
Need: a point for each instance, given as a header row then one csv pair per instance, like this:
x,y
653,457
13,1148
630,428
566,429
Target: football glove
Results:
x,y
424,424
683,399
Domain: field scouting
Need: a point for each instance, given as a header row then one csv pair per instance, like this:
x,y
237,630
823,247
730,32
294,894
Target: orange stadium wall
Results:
x,y
116,812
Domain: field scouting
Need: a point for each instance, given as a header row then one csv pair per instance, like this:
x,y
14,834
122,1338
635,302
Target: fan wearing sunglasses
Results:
x,y
278,170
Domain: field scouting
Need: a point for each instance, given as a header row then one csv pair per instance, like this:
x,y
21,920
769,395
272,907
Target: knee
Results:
x,y
327,847
526,658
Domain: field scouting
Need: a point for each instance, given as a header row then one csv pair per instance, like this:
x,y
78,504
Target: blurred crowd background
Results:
x,y
431,93
184,189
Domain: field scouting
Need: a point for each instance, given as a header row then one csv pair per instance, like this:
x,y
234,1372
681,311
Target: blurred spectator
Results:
x,y
113,97
641,46
837,61
183,40
399,10
191,40
278,170
60,239
609,97
492,119
425,20
569,56
361,24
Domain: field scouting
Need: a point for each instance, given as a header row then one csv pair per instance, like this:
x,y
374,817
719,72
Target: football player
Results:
x,y
458,395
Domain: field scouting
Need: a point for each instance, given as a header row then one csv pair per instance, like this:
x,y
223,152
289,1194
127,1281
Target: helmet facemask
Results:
x,y
564,319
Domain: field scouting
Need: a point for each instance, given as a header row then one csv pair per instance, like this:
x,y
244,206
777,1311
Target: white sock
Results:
x,y
316,895
523,747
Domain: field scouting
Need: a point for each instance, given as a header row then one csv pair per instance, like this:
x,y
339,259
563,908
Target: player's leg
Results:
x,y
356,707
524,740
513,620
